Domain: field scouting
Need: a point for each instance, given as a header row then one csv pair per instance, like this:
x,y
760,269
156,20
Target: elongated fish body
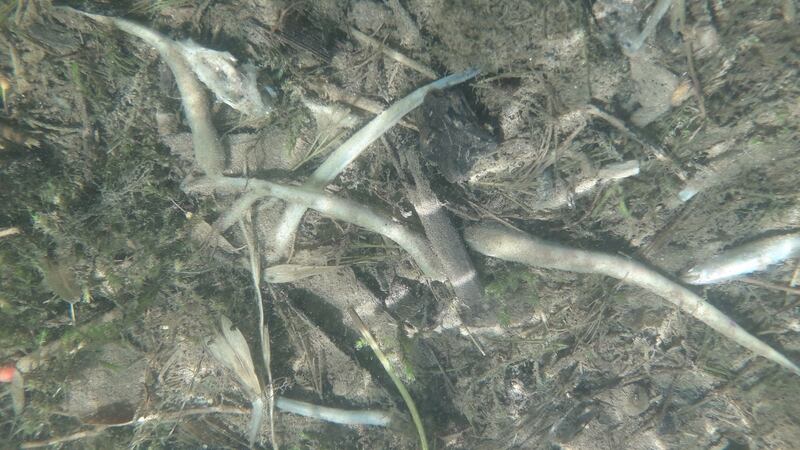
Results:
x,y
498,242
748,258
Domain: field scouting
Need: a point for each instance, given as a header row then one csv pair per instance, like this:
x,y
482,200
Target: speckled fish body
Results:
x,y
748,258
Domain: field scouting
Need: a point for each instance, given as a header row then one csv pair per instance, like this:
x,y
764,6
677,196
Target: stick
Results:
x,y
634,44
141,420
337,94
774,286
333,415
697,89
394,54
657,151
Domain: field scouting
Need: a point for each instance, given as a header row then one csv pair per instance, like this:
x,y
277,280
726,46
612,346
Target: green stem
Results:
x,y
412,408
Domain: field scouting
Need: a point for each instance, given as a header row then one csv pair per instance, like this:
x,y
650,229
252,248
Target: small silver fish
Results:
x,y
748,258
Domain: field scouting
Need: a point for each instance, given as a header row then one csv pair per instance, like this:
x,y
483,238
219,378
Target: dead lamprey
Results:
x,y
208,151
493,240
353,147
445,240
414,243
372,417
563,196
747,258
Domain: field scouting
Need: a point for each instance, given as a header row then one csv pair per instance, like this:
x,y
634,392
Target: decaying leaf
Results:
x,y
230,348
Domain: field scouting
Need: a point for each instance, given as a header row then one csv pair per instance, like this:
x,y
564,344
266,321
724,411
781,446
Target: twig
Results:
x,y
336,94
660,153
696,87
658,418
289,273
774,286
599,199
468,331
314,366
492,215
394,54
449,384
412,408
334,415
87,131
663,236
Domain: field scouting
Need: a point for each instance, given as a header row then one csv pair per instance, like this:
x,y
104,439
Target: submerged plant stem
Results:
x,y
412,408
266,350
492,240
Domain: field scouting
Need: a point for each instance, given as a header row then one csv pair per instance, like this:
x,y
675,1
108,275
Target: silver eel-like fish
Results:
x,y
751,257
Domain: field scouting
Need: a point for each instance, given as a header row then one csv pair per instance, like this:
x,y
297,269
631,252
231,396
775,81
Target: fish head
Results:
x,y
694,275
